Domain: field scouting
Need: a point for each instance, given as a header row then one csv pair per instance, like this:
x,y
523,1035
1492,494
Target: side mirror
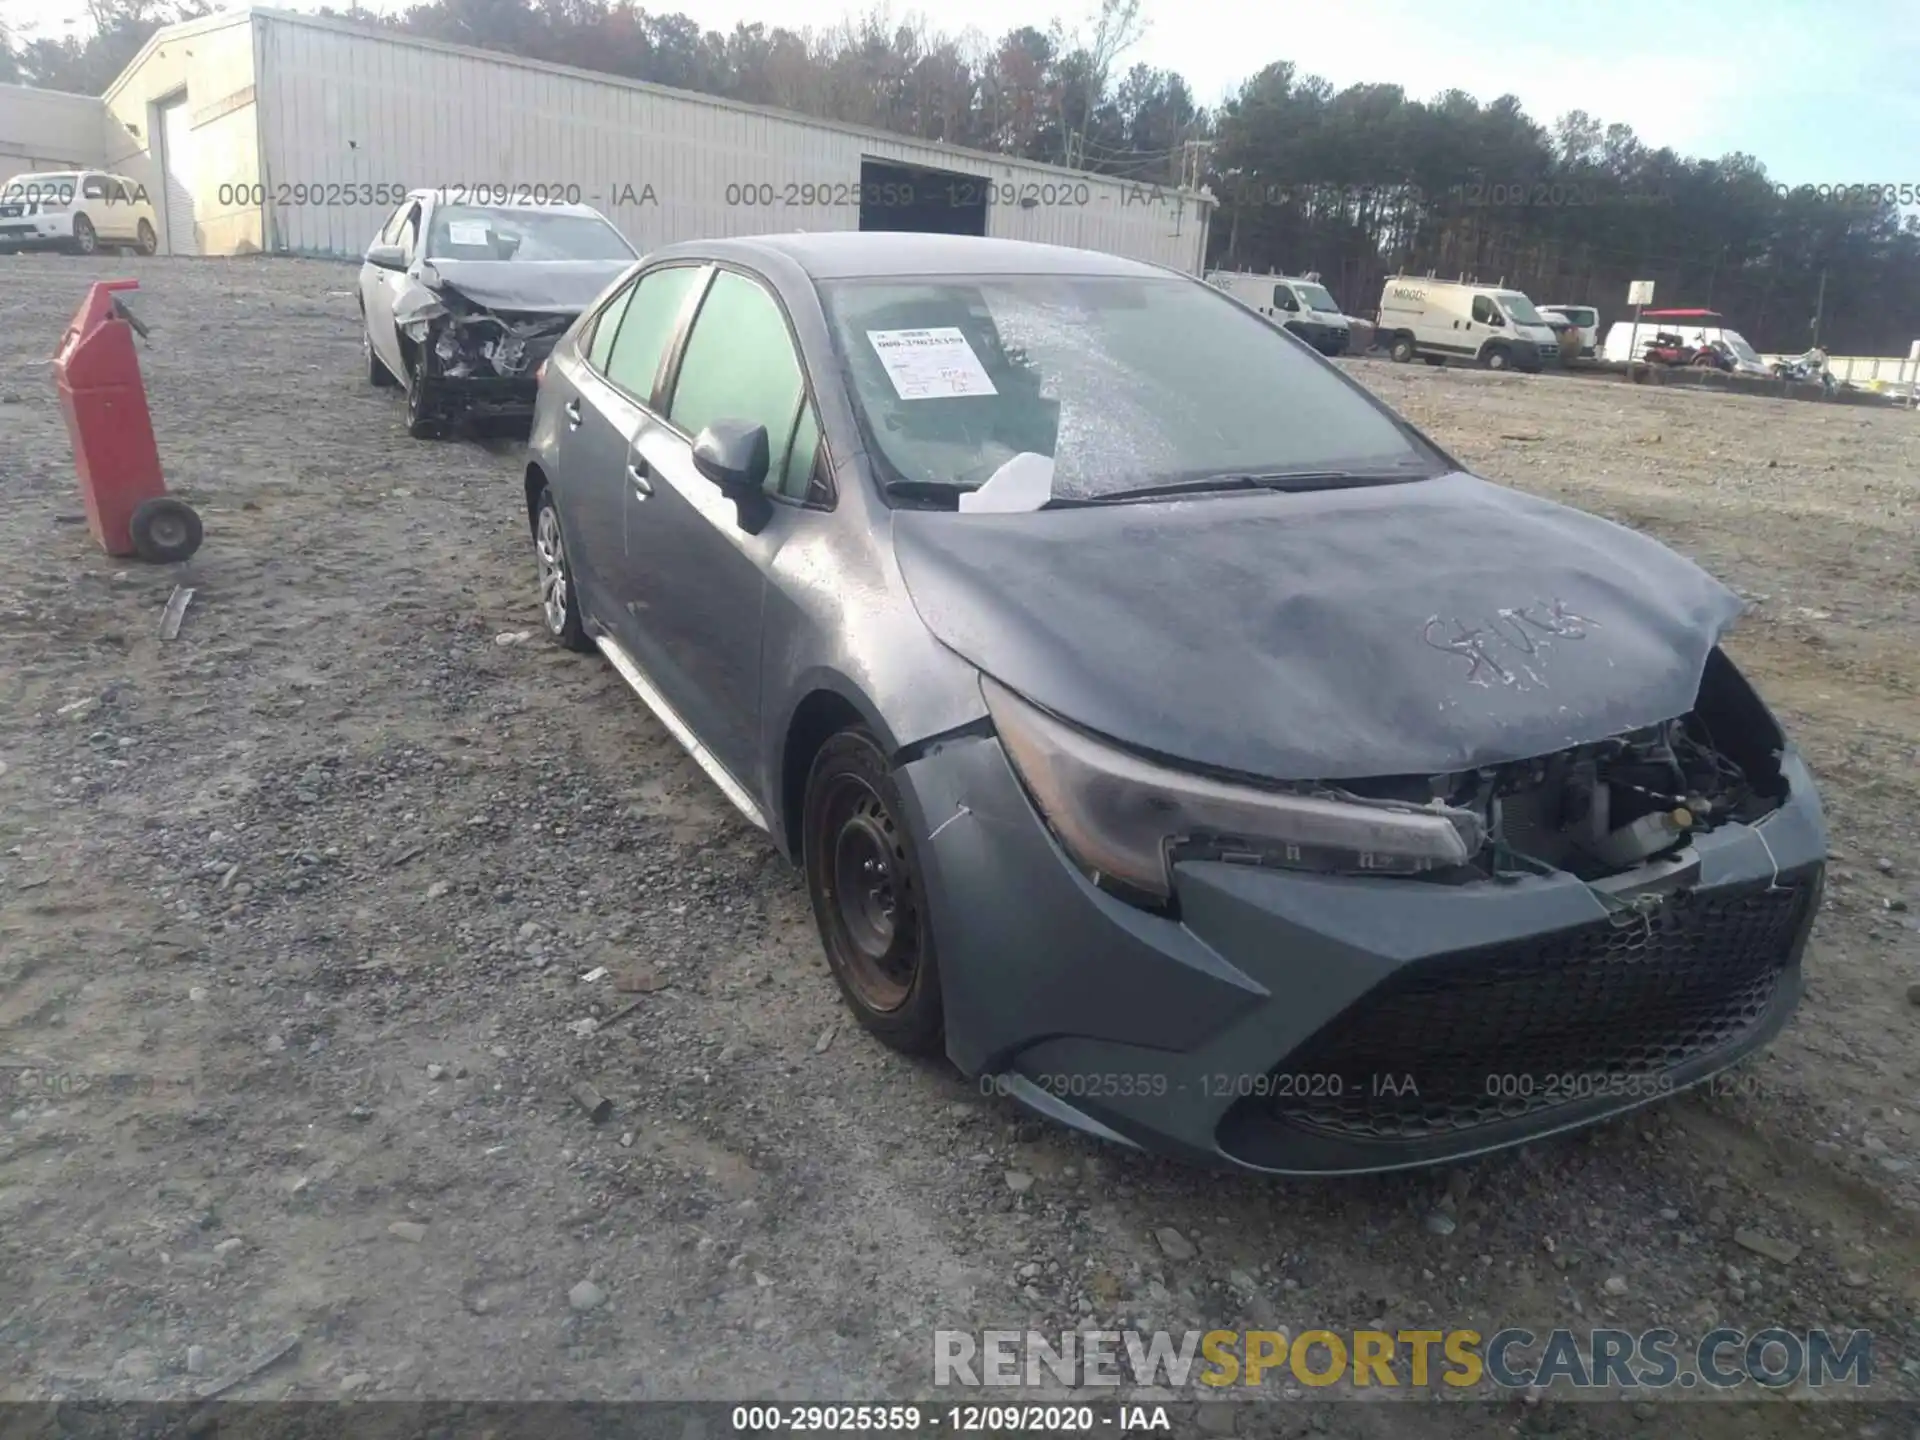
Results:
x,y
387,257
734,455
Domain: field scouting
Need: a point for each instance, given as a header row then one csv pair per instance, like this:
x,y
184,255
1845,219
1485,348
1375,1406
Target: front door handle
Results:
x,y
573,414
642,486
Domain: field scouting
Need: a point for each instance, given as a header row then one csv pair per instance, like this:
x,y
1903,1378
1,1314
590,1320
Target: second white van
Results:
x,y
1442,320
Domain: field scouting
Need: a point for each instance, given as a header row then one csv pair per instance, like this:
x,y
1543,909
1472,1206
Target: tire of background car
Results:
x,y
378,375
1436,361
165,530
85,240
864,879
1495,357
1402,350
559,597
423,421
148,243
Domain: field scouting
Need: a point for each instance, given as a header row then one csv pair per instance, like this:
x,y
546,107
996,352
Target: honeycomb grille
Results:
x,y
1512,1030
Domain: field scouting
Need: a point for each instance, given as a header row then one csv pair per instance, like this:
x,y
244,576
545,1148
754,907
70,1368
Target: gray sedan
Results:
x,y
1167,731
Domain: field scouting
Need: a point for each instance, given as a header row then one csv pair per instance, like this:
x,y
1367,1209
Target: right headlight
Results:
x,y
1124,818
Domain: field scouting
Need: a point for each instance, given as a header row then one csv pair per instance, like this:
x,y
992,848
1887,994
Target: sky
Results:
x,y
1822,92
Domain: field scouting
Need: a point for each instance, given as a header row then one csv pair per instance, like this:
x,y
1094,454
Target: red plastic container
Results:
x,y
105,402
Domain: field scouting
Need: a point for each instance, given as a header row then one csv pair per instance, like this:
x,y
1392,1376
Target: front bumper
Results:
x,y
1327,339
1297,1024
485,396
36,232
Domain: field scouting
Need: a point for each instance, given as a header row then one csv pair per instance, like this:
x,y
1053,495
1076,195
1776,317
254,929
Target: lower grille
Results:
x,y
1511,1030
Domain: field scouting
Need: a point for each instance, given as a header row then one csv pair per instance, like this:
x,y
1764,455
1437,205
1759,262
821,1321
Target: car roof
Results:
x,y
860,254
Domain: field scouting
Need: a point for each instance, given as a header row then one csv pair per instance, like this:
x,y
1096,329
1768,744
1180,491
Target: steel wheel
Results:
x,y
873,898
551,551
863,877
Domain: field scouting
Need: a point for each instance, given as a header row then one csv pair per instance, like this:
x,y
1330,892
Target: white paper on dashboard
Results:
x,y
930,364
1024,483
468,232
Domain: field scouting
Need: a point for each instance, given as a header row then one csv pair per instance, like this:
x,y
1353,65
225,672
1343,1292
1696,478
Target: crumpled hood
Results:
x,y
559,287
1394,630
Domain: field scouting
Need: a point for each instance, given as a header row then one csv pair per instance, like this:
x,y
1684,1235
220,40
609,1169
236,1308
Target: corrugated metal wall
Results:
x,y
344,106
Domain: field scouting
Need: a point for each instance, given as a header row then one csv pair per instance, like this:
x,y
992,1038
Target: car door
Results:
x,y
1286,309
116,211
95,205
604,406
696,578
378,288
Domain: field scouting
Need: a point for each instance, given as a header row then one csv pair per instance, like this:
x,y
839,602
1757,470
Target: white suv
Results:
x,y
77,210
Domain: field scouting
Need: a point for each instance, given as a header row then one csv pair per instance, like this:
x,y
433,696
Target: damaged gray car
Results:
x,y
1167,731
461,302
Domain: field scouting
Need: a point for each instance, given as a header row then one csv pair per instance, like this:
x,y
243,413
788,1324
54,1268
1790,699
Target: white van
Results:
x,y
1694,327
1584,319
1442,320
1301,305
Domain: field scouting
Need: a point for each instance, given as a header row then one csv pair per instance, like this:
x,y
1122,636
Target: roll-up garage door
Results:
x,y
176,141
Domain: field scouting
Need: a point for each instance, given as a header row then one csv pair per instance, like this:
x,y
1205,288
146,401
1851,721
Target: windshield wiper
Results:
x,y
1285,481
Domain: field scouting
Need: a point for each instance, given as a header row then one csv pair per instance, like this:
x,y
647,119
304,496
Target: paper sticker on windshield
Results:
x,y
468,232
924,364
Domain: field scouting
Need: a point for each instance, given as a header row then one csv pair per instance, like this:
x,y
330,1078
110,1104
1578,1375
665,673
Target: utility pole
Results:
x,y
1819,307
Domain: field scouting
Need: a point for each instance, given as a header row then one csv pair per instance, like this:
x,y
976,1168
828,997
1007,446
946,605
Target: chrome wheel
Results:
x,y
552,554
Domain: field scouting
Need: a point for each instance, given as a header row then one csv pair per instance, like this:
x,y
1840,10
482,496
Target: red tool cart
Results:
x,y
105,402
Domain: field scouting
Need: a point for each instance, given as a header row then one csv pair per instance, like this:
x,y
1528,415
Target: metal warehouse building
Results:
x,y
264,130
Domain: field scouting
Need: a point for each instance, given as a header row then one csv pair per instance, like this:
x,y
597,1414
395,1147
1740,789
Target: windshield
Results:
x,y
1737,343
472,232
1121,383
41,187
1583,317
1315,297
1519,309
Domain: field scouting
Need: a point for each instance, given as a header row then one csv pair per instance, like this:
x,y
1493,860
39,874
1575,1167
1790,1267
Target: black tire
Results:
x,y
86,241
1496,357
560,608
378,375
165,530
148,242
424,421
1436,361
878,936
1402,349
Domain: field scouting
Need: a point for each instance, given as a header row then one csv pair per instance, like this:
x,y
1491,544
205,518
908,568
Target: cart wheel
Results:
x,y
165,530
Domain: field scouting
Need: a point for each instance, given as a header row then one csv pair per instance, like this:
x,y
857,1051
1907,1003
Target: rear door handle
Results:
x,y
642,486
573,414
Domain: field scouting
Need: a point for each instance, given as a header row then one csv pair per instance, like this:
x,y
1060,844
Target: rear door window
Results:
x,y
649,319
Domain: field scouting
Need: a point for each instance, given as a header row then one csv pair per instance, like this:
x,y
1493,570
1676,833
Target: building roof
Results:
x,y
859,254
168,33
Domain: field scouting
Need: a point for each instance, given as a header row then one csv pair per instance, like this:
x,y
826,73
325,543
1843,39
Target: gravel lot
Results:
x,y
325,872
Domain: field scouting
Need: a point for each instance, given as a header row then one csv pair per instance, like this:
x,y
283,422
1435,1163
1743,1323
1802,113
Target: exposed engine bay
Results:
x,y
467,340
1599,810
